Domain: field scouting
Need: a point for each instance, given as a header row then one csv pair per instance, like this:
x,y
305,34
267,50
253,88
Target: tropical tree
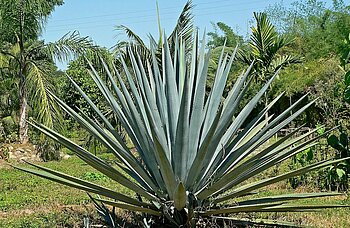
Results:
x,y
195,153
77,69
31,60
320,28
321,32
223,36
265,49
8,92
228,37
184,28
30,14
345,62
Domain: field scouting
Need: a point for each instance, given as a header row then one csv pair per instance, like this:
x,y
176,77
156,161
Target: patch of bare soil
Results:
x,y
18,152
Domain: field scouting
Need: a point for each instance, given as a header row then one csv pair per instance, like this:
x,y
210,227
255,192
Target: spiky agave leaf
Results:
x,y
192,148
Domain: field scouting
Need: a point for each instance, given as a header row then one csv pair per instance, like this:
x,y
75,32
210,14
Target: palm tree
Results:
x,y
30,60
184,28
229,37
265,49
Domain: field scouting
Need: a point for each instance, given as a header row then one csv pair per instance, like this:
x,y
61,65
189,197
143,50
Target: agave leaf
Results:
x,y
180,197
197,163
259,184
137,112
118,92
289,109
301,207
201,59
235,94
128,122
288,197
213,151
91,185
136,177
161,156
138,70
233,144
254,131
232,107
140,140
239,209
136,120
181,150
92,160
172,97
254,222
165,167
98,112
253,168
130,207
108,216
225,122
197,106
120,152
147,98
226,117
160,94
217,90
80,184
264,164
149,103
194,74
278,147
228,137
238,155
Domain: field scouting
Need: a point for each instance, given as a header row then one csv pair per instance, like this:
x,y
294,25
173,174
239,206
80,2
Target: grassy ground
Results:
x,y
30,201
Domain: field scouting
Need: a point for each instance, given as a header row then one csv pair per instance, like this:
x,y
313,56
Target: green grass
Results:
x,y
48,219
25,198
19,189
339,217
30,201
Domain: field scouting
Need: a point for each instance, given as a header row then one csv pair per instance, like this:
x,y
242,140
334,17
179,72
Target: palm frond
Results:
x,y
37,82
69,46
265,47
285,60
132,36
184,28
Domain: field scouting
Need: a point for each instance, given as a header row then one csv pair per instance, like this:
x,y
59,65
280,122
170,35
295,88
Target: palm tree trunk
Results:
x,y
23,112
266,104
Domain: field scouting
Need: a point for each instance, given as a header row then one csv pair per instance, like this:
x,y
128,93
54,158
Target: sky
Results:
x,y
98,19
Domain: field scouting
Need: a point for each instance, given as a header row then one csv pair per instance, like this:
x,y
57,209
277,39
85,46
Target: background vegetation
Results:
x,y
313,53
